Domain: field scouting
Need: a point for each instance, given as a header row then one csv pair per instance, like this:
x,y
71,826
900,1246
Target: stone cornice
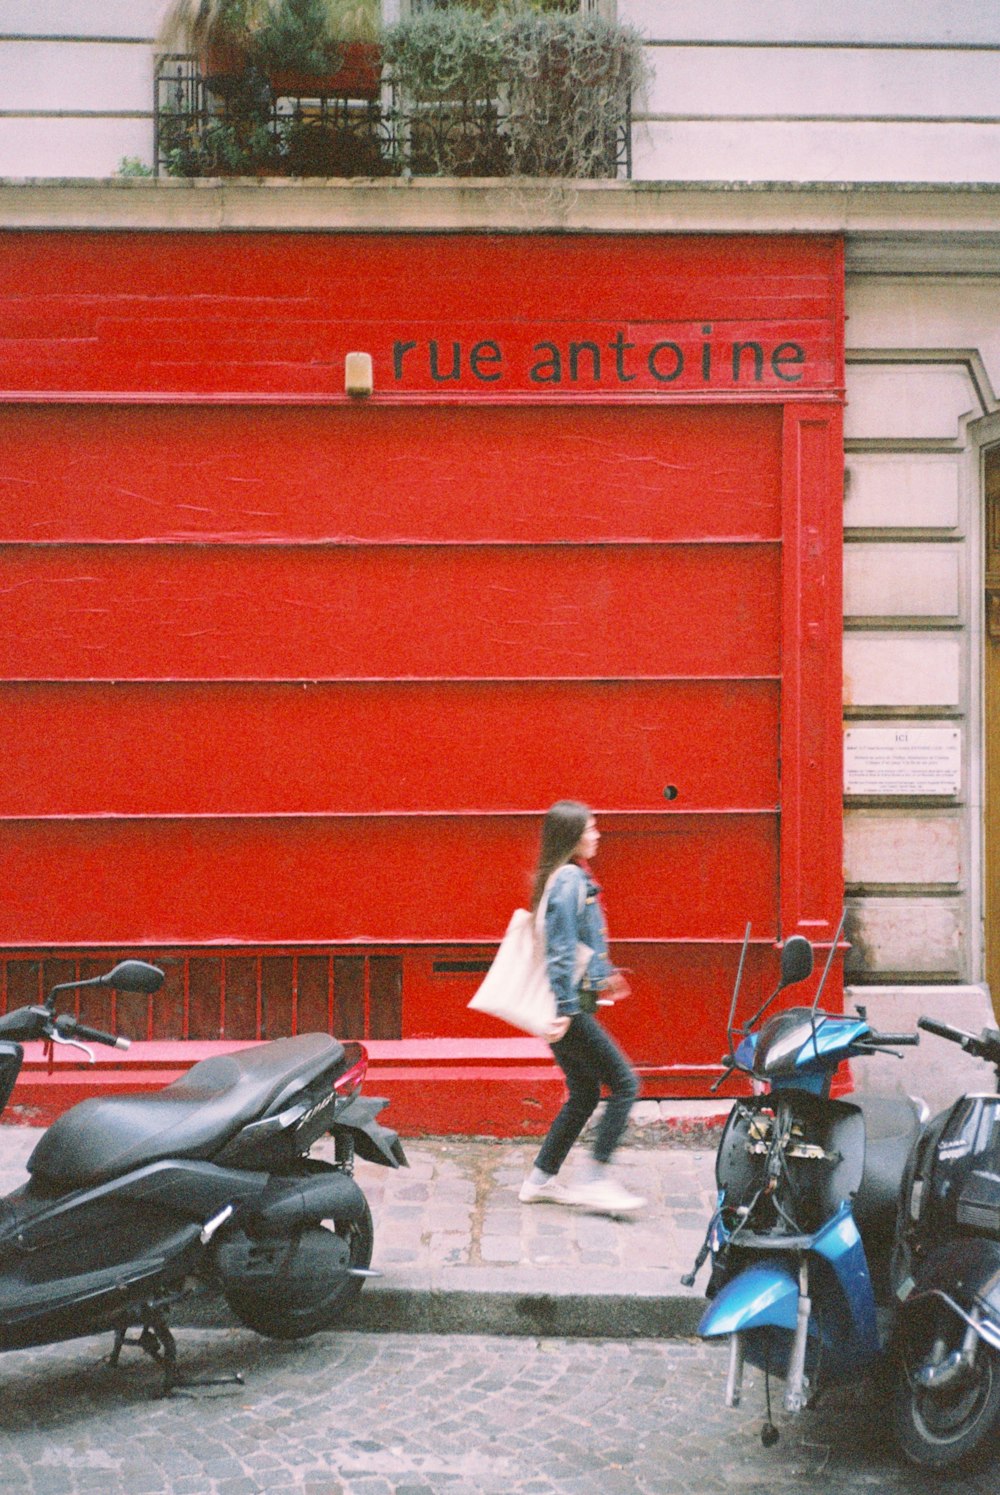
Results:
x,y
908,228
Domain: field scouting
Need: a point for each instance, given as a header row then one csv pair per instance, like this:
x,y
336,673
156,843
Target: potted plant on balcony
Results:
x,y
316,47
528,87
447,69
219,33
570,81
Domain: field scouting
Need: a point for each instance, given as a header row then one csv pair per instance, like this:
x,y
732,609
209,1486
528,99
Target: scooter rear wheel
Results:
x,y
940,1427
311,1290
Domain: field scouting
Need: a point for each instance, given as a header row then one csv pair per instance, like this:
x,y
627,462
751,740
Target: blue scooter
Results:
x,y
801,1239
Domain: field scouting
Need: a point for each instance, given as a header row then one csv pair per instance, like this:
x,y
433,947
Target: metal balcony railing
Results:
x,y
239,125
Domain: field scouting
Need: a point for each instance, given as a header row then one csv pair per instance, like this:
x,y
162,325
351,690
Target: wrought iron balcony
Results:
x,y
354,124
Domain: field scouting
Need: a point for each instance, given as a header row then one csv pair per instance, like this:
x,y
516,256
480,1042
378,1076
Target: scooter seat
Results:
x,y
193,1117
891,1124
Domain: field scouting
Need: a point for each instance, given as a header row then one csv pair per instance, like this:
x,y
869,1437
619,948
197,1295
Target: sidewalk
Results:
x,y
459,1254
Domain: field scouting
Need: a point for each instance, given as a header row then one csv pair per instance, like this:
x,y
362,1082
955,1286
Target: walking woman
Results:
x,y
585,1052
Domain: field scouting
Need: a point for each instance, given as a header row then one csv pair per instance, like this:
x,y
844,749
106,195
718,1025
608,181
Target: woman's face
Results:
x,y
586,847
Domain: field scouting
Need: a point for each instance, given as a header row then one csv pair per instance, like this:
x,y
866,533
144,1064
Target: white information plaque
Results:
x,y
902,760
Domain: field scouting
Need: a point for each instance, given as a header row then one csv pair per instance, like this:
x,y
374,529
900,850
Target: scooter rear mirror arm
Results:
x,y
50,1000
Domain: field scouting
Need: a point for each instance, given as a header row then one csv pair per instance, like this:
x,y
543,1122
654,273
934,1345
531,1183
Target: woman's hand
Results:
x,y
616,988
557,1030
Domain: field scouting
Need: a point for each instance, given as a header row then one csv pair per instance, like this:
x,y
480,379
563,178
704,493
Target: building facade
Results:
x,y
871,139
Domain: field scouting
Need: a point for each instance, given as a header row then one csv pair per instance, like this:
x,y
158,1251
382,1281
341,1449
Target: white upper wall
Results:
x,y
801,90
790,90
76,85
885,22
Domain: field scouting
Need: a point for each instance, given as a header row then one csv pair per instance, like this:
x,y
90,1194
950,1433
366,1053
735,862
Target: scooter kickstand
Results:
x,y
156,1340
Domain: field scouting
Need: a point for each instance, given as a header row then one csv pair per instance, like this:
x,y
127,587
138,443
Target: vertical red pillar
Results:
x,y
811,775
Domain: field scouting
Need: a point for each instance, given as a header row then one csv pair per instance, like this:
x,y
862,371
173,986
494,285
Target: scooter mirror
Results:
x,y
796,960
134,975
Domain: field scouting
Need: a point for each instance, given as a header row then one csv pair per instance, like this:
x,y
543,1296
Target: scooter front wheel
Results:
x,y
311,1287
939,1426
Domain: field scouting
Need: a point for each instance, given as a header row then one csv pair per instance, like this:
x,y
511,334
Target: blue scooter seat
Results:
x,y
193,1117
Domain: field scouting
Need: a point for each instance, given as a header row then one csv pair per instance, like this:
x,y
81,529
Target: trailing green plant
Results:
x,y
454,53
448,71
570,81
511,87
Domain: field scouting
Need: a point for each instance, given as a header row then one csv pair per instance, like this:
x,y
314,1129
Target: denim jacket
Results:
x,y
570,919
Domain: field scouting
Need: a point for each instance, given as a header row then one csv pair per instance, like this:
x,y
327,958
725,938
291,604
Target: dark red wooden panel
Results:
x,y
165,1012
349,995
97,1007
447,878
78,472
385,996
303,613
277,985
83,749
241,1018
206,1009
312,994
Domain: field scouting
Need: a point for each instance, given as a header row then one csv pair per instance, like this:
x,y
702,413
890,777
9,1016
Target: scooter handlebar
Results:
x,y
68,1027
945,1030
896,1040
113,1040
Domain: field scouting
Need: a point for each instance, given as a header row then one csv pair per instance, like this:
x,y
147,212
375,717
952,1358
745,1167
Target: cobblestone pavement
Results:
x,y
367,1414
456,1205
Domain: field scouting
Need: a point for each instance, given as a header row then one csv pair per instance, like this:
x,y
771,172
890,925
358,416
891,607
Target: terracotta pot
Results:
x,y
222,63
360,76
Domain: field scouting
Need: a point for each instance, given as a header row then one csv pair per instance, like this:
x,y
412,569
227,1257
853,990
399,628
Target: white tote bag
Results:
x,y
516,987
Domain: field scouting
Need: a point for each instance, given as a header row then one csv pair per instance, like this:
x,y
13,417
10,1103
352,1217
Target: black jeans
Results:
x,y
588,1055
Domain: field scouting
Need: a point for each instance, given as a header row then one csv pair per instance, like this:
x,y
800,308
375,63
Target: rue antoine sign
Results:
x,y
647,358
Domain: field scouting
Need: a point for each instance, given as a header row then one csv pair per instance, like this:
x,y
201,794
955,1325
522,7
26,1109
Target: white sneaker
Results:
x,y
551,1192
605,1197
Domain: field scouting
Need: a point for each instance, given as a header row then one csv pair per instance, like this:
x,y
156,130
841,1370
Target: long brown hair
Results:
x,y
564,824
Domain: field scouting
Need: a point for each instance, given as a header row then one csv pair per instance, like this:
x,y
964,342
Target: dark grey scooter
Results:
x,y
135,1202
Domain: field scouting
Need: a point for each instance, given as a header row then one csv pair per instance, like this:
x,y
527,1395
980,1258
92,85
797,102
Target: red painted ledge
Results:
x,y
493,1087
498,1087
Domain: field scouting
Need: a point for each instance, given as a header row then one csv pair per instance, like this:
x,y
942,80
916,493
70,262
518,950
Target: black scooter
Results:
x,y
137,1201
946,1274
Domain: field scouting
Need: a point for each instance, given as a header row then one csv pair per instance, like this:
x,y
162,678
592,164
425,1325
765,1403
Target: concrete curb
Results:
x,y
533,1311
478,1300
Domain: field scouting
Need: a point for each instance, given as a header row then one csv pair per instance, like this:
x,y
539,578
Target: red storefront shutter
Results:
x,y
295,677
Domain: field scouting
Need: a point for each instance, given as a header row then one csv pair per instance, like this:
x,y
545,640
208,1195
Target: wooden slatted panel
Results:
x,y
142,749
668,984
374,612
313,880
134,472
